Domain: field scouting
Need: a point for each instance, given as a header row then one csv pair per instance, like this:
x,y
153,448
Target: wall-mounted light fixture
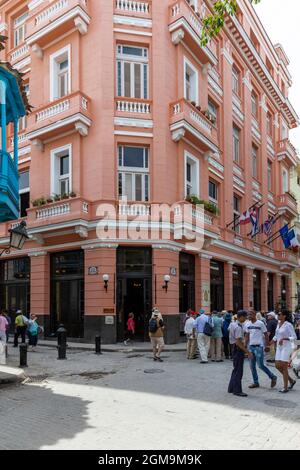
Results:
x,y
167,280
105,280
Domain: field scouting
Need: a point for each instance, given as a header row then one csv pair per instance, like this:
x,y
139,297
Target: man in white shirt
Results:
x,y
256,335
191,345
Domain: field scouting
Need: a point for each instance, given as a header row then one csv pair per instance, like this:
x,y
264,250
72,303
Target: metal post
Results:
x,y
23,355
98,344
61,342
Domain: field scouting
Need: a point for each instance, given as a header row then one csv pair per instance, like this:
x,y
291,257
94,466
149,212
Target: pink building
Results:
x,y
128,104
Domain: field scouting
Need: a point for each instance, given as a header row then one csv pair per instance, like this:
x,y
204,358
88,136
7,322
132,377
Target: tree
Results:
x,y
212,24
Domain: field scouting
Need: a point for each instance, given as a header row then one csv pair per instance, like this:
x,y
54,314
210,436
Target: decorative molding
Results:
x,y
227,56
38,51
133,122
247,80
263,103
37,253
178,135
133,21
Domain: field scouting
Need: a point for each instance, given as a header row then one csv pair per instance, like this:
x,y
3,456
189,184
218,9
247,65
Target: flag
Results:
x,y
284,233
254,219
245,218
294,244
267,225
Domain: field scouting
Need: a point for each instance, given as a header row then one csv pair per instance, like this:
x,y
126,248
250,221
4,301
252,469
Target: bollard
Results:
x,y
23,355
61,342
98,344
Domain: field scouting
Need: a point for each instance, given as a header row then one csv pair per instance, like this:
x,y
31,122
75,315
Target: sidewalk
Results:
x,y
119,347
11,374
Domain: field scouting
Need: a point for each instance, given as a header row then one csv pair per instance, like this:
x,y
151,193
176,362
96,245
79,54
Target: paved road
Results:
x,y
109,402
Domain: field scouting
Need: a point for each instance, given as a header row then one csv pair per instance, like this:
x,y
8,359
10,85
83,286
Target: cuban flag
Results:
x,y
254,219
245,218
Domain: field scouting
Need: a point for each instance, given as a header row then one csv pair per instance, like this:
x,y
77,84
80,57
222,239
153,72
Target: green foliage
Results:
x,y
208,206
213,23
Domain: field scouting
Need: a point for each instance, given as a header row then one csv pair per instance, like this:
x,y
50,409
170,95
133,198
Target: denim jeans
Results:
x,y
258,356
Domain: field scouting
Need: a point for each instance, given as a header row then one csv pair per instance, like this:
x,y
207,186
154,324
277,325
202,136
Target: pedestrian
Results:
x,y
32,332
295,361
256,336
3,328
5,313
271,328
236,338
203,325
216,338
191,345
225,338
156,333
20,327
297,329
284,338
130,329
260,317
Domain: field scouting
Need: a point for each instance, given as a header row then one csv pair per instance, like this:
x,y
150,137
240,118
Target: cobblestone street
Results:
x,y
122,400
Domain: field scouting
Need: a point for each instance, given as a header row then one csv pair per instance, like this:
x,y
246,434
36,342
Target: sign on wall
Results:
x,y
173,271
109,320
205,294
93,270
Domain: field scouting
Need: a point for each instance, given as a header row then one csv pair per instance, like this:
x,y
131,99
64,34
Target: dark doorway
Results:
x,y
15,286
237,282
217,285
270,279
186,282
256,290
134,290
67,292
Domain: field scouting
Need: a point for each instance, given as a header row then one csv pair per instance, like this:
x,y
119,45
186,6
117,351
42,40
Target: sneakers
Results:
x,y
253,386
241,394
292,385
284,390
273,382
159,359
126,342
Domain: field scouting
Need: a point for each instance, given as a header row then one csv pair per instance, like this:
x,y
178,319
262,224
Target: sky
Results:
x,y
281,21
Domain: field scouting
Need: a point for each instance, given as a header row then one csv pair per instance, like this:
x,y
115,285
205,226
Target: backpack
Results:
x,y
153,325
208,328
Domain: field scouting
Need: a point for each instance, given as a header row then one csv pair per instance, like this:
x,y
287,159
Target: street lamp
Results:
x,y
18,236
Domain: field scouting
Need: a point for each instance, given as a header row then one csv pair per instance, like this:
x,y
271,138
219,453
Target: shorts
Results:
x,y
283,353
157,341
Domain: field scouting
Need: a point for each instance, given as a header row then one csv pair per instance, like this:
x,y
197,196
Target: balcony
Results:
x,y
287,204
187,121
185,26
63,115
9,188
133,8
286,151
127,107
57,18
19,54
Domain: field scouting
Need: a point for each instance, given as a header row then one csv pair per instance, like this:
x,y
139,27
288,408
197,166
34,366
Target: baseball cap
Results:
x,y
271,314
201,310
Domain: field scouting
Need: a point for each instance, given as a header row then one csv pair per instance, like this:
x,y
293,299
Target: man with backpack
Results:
x,y
203,327
156,333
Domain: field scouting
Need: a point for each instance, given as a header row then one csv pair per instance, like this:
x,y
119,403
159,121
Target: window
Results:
x,y
61,170
212,108
213,192
133,177
24,192
254,161
254,40
190,82
20,29
236,144
60,80
269,176
269,124
132,72
194,4
285,180
191,175
235,81
284,131
254,105
236,213
22,123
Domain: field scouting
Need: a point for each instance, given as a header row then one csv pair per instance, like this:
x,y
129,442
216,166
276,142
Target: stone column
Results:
x,y
205,282
167,301
248,287
264,291
277,288
228,287
99,303
40,288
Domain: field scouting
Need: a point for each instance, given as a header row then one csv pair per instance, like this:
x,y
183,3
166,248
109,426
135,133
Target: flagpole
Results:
x,y
232,222
270,241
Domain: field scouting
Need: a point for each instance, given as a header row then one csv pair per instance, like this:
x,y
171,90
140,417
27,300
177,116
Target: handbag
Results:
x,y
208,328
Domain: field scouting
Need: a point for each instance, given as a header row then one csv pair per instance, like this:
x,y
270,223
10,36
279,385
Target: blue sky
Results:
x,y
281,21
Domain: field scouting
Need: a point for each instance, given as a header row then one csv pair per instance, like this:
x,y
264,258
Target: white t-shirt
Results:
x,y
256,332
188,327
